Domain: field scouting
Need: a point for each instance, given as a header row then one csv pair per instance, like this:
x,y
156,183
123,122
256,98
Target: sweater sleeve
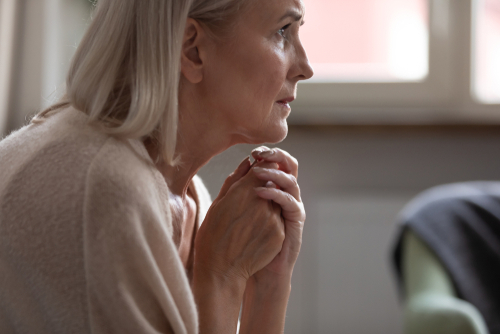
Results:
x,y
135,280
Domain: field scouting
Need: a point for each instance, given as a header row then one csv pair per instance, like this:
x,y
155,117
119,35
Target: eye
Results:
x,y
283,30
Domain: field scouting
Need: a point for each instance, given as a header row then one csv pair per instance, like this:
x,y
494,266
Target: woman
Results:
x,y
99,199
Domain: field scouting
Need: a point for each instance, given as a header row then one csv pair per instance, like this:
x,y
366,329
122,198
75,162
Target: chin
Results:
x,y
280,135
274,134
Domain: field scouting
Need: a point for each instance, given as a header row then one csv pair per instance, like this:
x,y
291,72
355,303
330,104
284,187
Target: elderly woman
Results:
x,y
100,205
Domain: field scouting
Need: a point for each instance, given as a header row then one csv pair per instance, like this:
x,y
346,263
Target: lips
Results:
x,y
286,100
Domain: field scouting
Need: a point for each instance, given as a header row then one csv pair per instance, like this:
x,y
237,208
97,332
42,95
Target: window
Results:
x,y
367,40
486,59
401,61
376,61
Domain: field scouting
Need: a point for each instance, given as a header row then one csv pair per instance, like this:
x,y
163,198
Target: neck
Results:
x,y
198,143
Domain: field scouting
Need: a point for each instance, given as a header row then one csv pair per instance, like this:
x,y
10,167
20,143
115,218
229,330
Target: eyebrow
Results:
x,y
295,15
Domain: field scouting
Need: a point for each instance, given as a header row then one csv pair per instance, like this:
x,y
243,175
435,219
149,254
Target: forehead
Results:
x,y
273,10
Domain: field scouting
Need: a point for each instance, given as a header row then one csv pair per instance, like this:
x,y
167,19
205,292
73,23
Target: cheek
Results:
x,y
247,84
269,73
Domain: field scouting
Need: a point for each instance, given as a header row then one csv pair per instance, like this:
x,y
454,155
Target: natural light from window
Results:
x,y
486,77
367,40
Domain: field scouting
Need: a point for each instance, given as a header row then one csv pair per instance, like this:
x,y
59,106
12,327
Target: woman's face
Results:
x,y
251,74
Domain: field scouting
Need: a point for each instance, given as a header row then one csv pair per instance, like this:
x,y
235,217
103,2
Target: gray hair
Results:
x,y
126,71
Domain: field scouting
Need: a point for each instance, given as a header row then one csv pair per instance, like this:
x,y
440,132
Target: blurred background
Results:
x,y
406,96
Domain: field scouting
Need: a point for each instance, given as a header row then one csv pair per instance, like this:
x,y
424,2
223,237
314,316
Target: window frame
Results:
x,y
445,96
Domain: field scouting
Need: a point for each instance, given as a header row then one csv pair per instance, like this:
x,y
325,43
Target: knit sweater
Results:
x,y
86,234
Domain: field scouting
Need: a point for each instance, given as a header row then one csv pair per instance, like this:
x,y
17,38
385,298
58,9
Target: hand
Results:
x,y
242,232
287,195
267,291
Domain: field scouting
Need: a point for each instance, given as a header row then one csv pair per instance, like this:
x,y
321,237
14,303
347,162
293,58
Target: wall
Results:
x,y
45,34
354,181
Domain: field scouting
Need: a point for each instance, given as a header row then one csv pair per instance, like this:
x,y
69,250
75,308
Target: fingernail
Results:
x,y
258,149
261,149
266,153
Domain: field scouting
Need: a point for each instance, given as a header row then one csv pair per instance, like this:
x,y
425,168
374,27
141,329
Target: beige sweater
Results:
x,y
86,235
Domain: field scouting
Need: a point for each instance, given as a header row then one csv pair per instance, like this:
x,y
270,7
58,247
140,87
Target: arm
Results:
x,y
264,306
268,290
240,235
218,299
134,278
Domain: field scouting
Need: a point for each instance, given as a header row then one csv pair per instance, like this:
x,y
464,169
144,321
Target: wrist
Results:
x,y
218,298
209,279
269,288
264,305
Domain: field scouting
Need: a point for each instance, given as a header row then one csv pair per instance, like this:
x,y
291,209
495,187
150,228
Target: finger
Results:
x,y
291,208
271,184
284,181
240,171
287,163
265,164
256,151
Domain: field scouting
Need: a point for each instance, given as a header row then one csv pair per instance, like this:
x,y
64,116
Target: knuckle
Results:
x,y
282,151
281,235
279,231
272,229
294,181
288,155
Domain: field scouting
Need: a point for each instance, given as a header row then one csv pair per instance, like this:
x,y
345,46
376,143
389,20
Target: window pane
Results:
x,y
486,84
367,40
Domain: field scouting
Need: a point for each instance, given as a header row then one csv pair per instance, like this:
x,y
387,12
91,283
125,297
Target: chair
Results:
x,y
431,305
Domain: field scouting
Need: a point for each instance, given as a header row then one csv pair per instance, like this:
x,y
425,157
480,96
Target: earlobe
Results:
x,y
191,60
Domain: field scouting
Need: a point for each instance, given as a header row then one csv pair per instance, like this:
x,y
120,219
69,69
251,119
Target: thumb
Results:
x,y
240,171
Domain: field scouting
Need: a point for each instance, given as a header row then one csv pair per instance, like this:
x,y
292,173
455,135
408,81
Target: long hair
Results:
x,y
125,73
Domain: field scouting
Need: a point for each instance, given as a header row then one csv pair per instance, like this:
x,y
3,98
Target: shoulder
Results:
x,y
121,165
122,182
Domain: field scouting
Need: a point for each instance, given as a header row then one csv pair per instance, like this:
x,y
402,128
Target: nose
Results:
x,y
301,69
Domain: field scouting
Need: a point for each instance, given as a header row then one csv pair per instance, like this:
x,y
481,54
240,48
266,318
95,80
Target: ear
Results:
x,y
191,57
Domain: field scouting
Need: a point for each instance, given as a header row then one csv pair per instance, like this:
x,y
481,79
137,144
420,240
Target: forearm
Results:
x,y
218,300
264,306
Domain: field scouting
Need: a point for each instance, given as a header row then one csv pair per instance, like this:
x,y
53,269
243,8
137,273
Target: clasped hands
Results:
x,y
253,230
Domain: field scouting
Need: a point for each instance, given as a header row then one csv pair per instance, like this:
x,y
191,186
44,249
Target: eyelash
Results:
x,y
281,32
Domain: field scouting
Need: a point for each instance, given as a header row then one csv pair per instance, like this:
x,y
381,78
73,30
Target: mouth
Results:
x,y
285,102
